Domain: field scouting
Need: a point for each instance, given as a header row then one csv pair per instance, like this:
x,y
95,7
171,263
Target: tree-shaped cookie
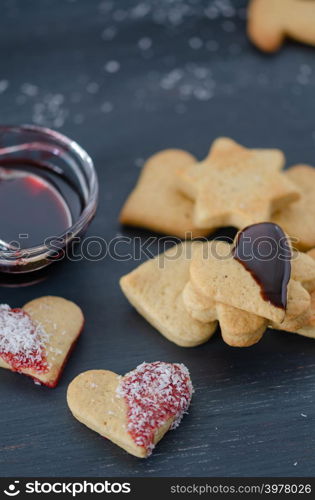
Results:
x,y
240,328
221,286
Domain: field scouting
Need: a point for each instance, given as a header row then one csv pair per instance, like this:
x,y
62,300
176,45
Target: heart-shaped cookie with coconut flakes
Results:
x,y
134,411
38,339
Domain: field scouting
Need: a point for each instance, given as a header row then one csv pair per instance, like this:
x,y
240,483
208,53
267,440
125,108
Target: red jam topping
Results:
x,y
22,342
154,393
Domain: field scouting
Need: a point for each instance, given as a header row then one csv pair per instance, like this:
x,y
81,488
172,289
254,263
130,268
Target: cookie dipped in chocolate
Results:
x,y
264,250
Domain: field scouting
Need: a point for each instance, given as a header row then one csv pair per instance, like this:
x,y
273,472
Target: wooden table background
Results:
x,y
126,79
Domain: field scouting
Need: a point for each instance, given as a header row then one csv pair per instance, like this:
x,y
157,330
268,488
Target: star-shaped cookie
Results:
x,y
236,186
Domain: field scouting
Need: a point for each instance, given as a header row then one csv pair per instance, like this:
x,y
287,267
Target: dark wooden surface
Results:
x,y
253,410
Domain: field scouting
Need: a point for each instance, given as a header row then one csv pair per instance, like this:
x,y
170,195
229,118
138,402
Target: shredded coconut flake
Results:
x,y
22,342
154,393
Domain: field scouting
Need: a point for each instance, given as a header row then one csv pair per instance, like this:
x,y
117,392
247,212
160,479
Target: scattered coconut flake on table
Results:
x,y
107,107
112,66
139,162
48,108
4,84
191,81
155,393
168,12
22,342
29,89
92,87
109,33
145,43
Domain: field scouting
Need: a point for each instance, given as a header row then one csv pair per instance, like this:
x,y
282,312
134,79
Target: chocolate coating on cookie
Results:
x,y
264,251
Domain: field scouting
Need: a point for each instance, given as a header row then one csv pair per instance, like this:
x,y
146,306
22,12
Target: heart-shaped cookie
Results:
x,y
37,339
156,203
155,290
134,411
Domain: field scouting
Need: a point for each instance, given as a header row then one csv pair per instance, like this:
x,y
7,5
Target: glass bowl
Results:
x,y
62,163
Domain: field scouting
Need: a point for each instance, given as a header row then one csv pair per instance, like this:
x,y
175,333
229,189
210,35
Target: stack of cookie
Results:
x,y
194,286
185,292
233,186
